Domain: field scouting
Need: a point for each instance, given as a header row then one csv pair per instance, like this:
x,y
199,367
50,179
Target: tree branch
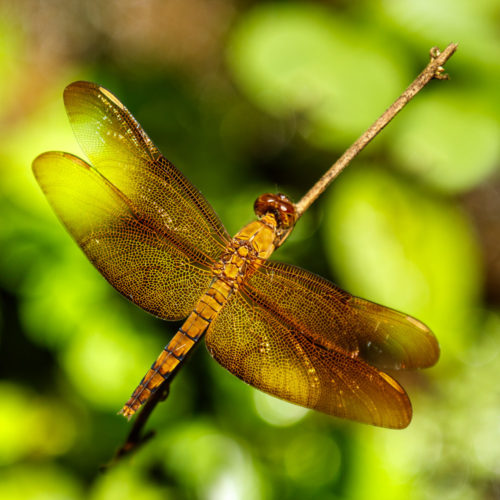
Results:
x,y
135,439
433,70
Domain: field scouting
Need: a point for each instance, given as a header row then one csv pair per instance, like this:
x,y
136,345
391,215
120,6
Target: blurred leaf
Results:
x,y
223,468
47,129
473,24
38,482
312,460
32,426
11,45
463,422
107,359
62,287
125,481
451,141
276,411
300,58
379,479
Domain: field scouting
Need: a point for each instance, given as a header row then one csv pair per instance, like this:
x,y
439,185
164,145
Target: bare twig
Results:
x,y
135,439
433,70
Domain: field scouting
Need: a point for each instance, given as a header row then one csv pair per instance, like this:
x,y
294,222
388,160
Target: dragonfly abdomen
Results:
x,y
177,349
246,251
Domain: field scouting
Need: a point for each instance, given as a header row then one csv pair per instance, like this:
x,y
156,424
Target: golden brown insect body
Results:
x,y
156,239
245,253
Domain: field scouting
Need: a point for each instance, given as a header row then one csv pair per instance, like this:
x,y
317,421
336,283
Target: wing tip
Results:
x,y
406,416
405,411
403,424
78,90
435,349
82,86
37,163
55,163
428,352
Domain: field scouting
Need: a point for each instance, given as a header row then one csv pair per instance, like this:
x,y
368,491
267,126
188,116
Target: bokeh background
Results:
x,y
247,97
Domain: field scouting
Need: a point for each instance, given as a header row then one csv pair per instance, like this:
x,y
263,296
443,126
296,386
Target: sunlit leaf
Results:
x,y
472,24
107,359
224,468
32,426
300,58
276,411
127,481
312,460
39,481
450,141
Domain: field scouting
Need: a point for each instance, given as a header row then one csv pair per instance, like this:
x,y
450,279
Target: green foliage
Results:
x,y
300,81
450,158
291,58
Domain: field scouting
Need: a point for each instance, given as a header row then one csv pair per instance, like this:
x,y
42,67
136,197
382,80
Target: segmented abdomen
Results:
x,y
183,341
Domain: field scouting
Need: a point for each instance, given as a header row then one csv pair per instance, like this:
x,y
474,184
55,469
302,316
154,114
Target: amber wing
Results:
x,y
298,337
120,150
383,337
142,224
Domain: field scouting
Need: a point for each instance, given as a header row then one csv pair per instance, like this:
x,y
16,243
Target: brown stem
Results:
x,y
433,70
135,439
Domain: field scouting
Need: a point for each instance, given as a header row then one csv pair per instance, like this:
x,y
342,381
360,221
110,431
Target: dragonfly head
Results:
x,y
283,210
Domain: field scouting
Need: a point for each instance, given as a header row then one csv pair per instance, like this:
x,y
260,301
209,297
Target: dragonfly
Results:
x,y
155,238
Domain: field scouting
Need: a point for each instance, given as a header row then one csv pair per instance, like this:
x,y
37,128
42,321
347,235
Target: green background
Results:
x,y
244,98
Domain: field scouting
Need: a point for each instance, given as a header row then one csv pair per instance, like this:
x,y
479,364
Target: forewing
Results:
x,y
333,318
139,261
263,349
120,150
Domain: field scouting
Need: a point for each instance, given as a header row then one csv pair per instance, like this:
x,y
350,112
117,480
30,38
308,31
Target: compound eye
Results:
x,y
286,208
277,204
264,203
